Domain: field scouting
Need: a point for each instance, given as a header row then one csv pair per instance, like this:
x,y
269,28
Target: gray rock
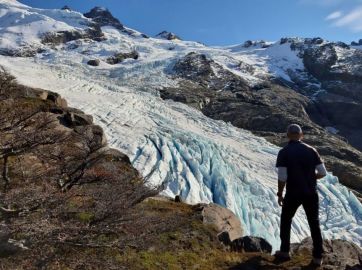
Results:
x,y
224,237
168,36
248,43
66,8
103,17
76,119
339,253
207,73
93,32
21,52
120,57
57,99
94,62
93,134
223,220
251,244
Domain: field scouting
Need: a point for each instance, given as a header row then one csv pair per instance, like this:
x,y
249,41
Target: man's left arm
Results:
x,y
319,166
282,179
320,171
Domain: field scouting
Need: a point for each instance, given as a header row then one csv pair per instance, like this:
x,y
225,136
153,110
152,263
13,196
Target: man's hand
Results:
x,y
281,185
280,200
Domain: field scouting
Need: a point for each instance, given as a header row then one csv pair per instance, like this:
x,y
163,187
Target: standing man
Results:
x,y
299,166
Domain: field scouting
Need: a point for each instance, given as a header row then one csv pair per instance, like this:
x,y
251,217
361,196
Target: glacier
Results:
x,y
174,145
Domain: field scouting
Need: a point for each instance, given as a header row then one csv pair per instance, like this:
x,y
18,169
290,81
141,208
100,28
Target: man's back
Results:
x,y
300,160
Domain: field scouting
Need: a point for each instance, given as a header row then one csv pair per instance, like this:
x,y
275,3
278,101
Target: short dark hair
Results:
x,y
294,129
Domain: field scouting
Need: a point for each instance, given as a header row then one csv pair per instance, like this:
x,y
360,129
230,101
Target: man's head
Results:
x,y
294,132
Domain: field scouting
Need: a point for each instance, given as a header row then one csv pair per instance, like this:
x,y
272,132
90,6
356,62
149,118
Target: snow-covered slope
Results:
x,y
24,26
202,159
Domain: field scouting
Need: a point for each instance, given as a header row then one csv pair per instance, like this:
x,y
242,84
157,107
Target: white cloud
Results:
x,y
334,15
351,20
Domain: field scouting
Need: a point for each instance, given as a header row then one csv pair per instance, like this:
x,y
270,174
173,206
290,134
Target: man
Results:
x,y
299,166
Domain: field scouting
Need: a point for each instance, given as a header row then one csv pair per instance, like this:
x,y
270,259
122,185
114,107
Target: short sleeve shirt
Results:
x,y
301,160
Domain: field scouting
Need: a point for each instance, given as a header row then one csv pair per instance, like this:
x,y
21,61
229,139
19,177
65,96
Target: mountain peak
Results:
x,y
356,43
104,17
66,8
168,35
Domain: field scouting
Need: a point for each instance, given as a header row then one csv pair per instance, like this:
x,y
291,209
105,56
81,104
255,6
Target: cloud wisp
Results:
x,y
334,15
351,20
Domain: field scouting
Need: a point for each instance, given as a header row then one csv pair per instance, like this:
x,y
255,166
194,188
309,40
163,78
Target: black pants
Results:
x,y
311,207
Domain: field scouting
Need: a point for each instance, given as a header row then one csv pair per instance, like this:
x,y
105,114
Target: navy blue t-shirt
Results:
x,y
301,160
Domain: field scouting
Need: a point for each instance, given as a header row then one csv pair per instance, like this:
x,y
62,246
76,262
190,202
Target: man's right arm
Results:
x,y
282,175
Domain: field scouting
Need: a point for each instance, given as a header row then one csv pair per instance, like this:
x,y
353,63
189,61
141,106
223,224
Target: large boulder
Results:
x,y
94,62
251,244
338,253
56,98
77,119
93,134
223,220
120,57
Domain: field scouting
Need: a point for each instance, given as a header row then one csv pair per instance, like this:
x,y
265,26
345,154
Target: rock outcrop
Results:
x,y
67,8
339,254
120,57
26,51
94,32
94,62
251,244
332,79
208,74
357,43
223,220
168,36
103,17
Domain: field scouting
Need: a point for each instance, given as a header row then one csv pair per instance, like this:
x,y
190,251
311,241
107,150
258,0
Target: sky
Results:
x,y
227,22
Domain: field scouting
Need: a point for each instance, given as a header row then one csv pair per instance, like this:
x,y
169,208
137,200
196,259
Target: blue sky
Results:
x,y
225,22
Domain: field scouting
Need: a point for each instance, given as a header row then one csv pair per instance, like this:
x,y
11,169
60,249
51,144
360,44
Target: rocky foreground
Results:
x,y
68,201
